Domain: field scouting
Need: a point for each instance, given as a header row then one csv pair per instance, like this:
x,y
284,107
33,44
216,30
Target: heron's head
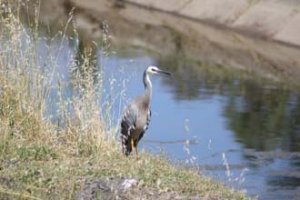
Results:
x,y
155,70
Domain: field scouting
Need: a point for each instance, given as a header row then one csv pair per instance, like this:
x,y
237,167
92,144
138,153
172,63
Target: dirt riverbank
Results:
x,y
213,38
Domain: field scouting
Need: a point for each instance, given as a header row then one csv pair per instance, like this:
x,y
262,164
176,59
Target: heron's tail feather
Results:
x,y
126,149
125,139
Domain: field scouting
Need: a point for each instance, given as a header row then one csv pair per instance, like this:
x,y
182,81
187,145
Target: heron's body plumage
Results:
x,y
135,122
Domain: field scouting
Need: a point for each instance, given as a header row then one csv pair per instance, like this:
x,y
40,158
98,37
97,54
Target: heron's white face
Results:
x,y
155,70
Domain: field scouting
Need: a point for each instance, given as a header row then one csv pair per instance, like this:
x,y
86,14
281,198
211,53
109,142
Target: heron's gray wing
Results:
x,y
145,127
128,127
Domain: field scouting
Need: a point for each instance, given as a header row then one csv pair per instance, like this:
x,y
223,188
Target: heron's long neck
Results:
x,y
148,88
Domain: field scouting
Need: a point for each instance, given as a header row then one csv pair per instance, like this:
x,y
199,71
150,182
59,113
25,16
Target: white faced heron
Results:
x,y
136,117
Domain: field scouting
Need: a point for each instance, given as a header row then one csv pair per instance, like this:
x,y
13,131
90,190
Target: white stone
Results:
x,y
128,183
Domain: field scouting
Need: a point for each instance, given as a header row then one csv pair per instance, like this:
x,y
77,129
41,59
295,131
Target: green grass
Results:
x,y
39,160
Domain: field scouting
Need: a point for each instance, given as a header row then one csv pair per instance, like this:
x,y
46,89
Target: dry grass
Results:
x,y
39,160
38,163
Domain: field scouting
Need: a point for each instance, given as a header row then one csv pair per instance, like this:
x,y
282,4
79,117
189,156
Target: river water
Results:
x,y
243,132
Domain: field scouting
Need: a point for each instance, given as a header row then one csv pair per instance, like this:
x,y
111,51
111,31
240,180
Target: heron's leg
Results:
x,y
136,152
132,144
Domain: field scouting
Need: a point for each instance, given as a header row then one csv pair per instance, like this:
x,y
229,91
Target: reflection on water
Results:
x,y
262,117
192,80
268,119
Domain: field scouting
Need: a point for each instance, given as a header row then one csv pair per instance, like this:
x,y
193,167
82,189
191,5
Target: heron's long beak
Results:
x,y
164,72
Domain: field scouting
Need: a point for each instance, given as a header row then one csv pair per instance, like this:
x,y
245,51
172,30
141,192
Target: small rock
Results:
x,y
128,183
